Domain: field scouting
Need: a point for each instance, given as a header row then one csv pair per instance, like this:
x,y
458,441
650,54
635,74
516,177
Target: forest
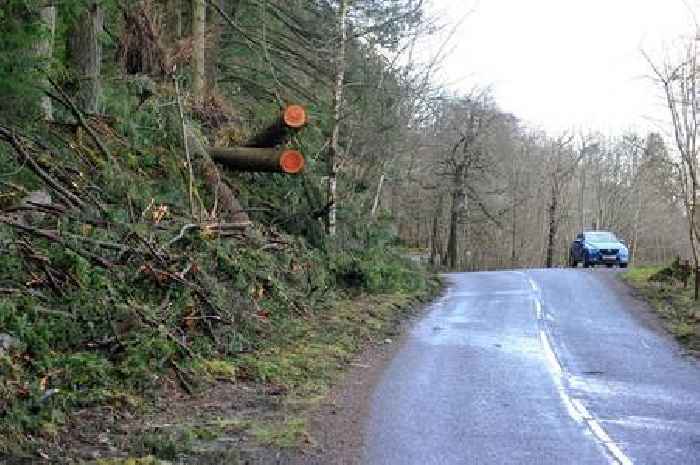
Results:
x,y
130,247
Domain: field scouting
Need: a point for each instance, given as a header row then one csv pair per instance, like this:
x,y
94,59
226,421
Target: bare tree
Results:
x,y
680,86
563,163
469,120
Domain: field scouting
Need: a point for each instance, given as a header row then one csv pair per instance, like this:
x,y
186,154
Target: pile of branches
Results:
x,y
70,213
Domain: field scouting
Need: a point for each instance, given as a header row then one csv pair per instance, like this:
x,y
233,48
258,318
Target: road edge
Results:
x,y
337,426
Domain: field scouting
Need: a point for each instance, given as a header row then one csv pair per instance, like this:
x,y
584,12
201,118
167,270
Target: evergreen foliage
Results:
x,y
115,285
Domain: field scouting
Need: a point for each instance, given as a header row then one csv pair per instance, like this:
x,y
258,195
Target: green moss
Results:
x,y
217,369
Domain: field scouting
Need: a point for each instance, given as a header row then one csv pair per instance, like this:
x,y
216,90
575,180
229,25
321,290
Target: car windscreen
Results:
x,y
601,237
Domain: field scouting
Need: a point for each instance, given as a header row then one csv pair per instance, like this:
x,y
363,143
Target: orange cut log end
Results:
x,y
292,161
294,116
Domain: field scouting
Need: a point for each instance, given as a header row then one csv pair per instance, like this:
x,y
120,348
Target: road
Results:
x,y
536,367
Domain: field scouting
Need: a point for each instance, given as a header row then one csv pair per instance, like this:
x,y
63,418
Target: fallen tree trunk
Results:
x,y
256,159
292,118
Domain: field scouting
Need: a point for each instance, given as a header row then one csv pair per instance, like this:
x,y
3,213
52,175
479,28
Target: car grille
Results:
x,y
608,251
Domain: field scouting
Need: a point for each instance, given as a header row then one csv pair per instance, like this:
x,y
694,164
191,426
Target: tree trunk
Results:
x,y
44,49
85,52
199,24
338,106
258,160
553,224
375,205
635,233
172,19
582,200
514,217
513,252
458,205
213,45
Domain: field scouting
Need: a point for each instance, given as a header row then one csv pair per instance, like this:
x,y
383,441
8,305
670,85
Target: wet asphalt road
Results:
x,y
536,367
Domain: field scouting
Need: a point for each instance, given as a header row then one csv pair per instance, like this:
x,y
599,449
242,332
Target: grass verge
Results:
x,y
675,305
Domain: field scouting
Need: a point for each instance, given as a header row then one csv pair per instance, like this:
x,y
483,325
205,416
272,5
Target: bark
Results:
x,y
338,106
514,214
377,196
553,226
635,228
258,159
513,252
44,49
435,236
213,45
459,203
434,246
85,52
582,200
173,21
199,24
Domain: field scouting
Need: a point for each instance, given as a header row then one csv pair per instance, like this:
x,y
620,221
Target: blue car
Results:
x,y
598,248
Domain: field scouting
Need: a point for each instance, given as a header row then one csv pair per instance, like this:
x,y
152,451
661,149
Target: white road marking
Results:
x,y
577,410
618,454
556,370
538,309
575,407
533,284
582,409
608,443
549,354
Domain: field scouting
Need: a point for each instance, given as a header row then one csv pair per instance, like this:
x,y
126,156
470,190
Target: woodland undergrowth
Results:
x,y
114,286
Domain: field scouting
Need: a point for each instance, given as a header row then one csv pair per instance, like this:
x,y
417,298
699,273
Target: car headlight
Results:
x,y
591,249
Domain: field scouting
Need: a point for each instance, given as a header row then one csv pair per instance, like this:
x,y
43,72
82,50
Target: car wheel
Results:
x,y
586,264
623,265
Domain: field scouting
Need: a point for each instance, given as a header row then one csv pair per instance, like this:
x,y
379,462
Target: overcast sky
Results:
x,y
566,64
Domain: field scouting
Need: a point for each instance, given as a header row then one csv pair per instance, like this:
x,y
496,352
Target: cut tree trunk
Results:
x,y
85,53
258,159
293,117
